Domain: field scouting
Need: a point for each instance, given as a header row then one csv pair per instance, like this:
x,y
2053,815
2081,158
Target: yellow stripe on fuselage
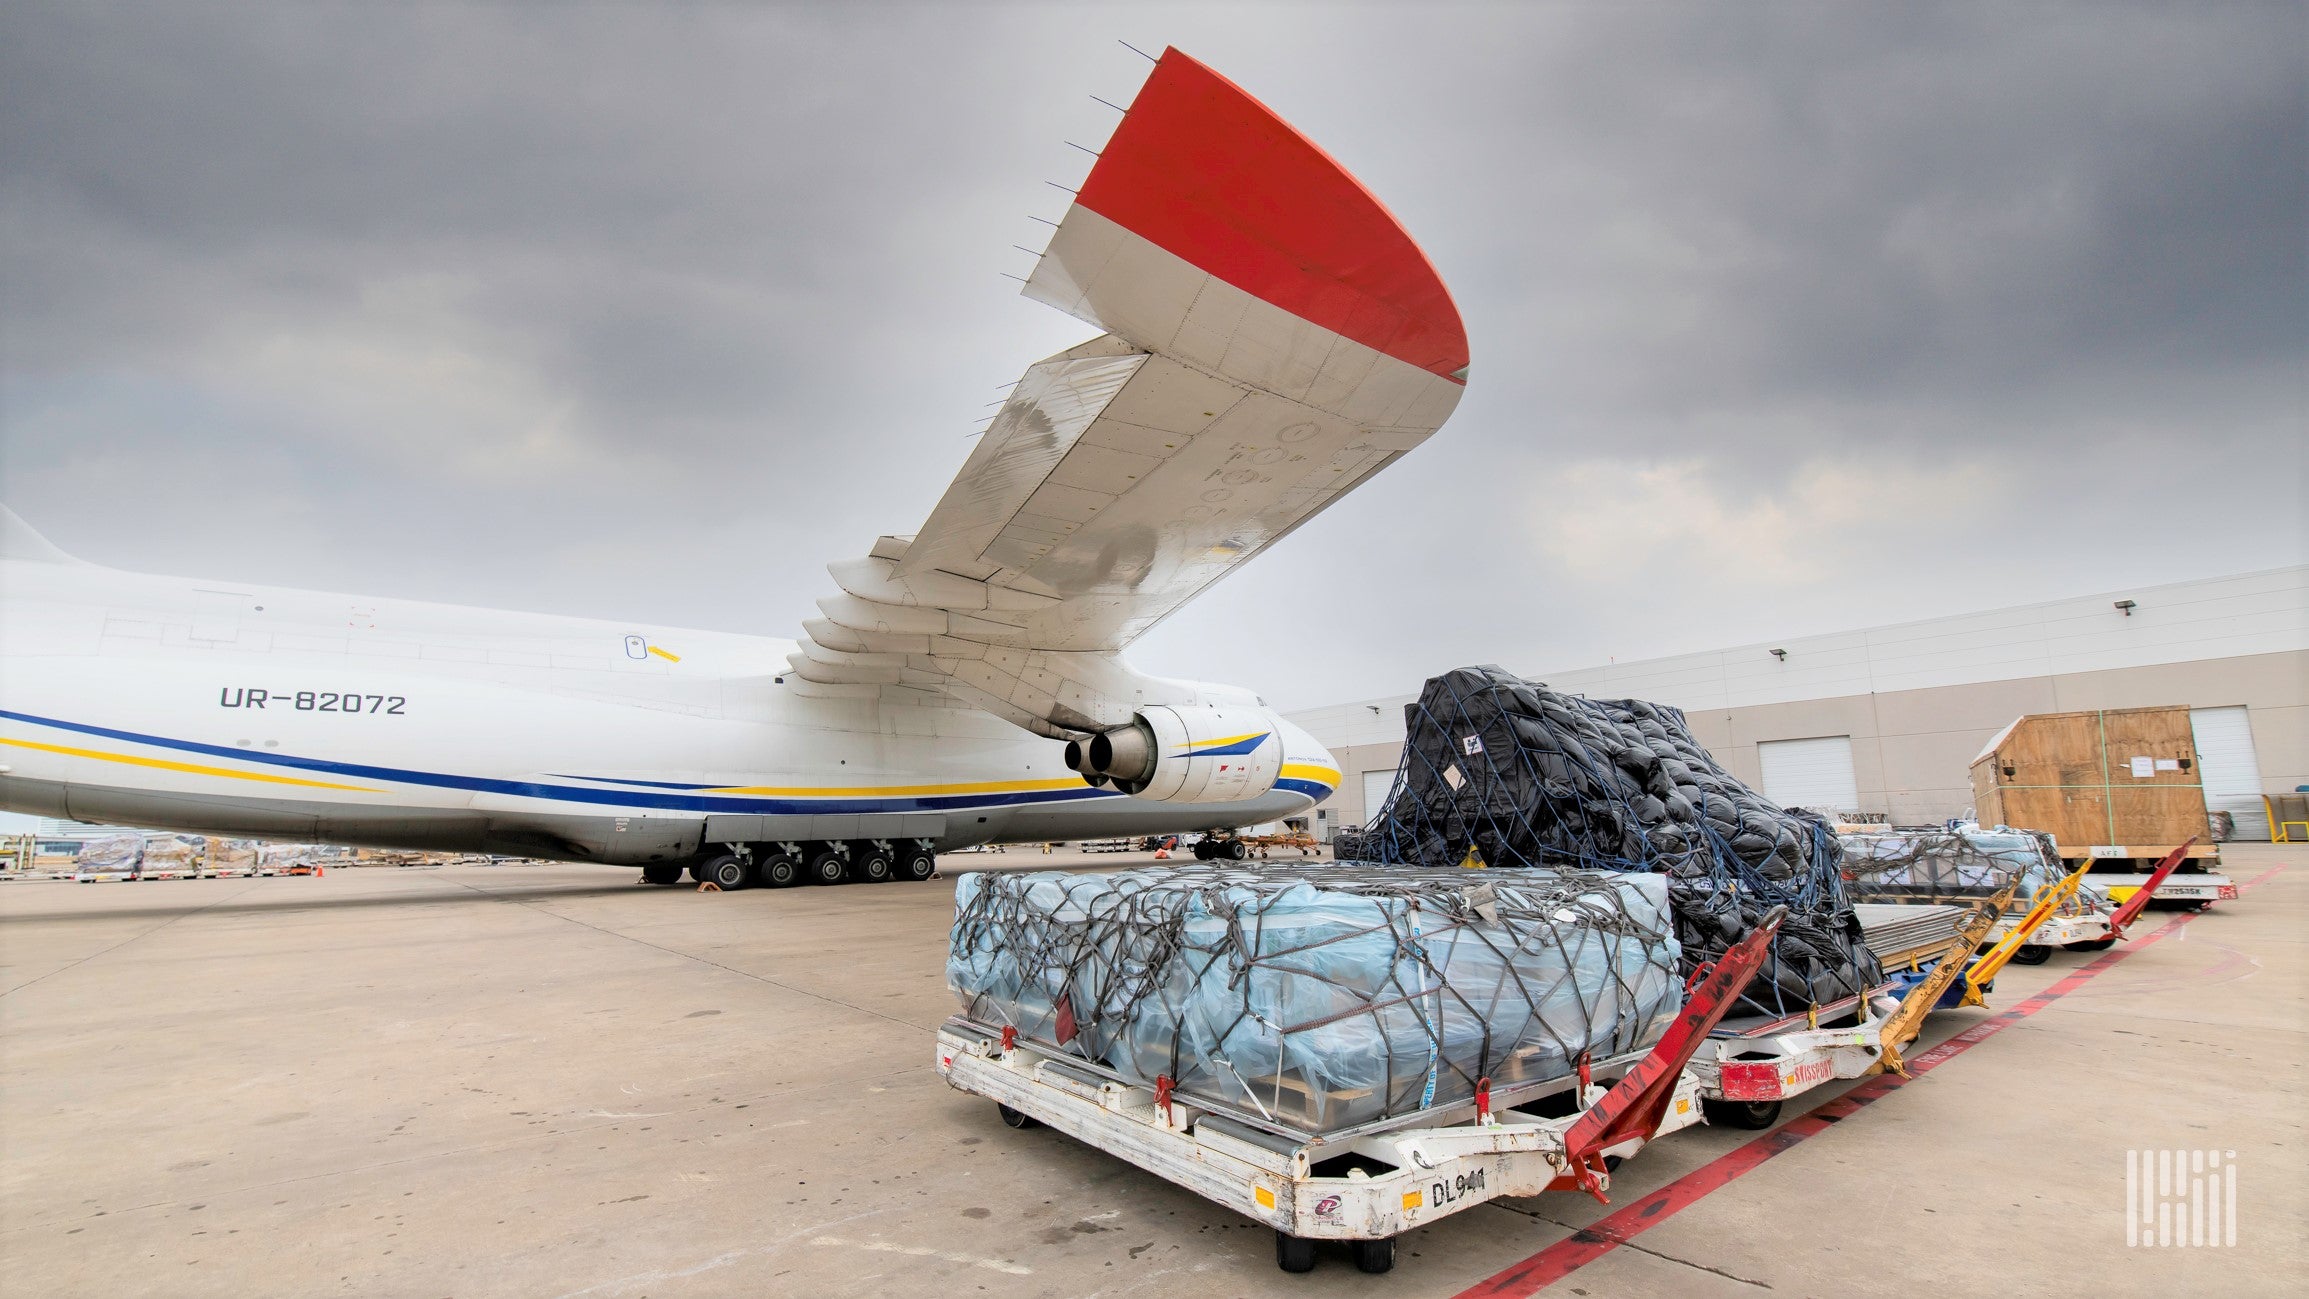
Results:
x,y
188,767
900,791
1311,771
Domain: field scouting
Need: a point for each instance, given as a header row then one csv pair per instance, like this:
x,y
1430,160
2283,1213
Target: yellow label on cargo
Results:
x,y
1265,1197
1683,1107
1412,1200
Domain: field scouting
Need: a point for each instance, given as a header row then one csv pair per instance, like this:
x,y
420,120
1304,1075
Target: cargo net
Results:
x,y
1933,865
1315,998
1520,775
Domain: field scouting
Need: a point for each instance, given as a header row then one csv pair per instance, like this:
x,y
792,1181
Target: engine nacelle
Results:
x,y
1203,753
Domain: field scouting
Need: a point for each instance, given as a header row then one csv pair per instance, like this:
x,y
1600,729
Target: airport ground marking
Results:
x,y
1592,1242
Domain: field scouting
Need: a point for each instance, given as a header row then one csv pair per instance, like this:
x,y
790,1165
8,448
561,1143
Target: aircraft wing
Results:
x,y
1272,337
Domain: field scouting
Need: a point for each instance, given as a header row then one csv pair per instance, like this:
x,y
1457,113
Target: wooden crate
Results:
x,y
2076,775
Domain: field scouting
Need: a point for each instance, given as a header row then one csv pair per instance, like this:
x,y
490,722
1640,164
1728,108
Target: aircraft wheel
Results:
x,y
916,862
827,866
779,871
727,872
1294,1253
655,874
1755,1116
1374,1256
1203,849
870,863
1234,850
2032,954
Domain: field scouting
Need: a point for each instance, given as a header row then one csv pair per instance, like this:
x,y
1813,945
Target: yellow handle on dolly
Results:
x,y
2049,899
1906,1022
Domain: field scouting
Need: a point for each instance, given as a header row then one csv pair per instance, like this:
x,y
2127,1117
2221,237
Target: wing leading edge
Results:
x,y
1272,338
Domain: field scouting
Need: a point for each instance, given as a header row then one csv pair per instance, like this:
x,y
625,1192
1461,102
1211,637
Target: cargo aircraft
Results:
x,y
1269,338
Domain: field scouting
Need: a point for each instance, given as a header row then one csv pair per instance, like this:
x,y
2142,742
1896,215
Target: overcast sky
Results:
x,y
1785,319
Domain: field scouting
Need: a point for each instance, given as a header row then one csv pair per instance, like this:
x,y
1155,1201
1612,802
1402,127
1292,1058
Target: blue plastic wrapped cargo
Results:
x,y
1320,997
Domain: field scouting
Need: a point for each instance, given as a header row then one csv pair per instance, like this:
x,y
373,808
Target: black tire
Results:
x,y
1754,1116
1373,1256
779,871
656,874
2031,954
1014,1119
1203,849
1294,1253
1235,850
2096,945
872,865
827,867
728,872
917,863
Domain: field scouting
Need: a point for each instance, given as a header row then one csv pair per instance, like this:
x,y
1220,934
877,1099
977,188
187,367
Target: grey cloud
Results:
x,y
650,311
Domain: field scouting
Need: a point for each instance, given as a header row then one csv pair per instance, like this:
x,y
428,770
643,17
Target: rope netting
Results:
x,y
1517,774
1319,997
1931,865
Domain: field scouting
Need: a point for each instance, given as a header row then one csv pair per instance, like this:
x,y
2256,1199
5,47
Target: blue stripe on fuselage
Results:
x,y
571,794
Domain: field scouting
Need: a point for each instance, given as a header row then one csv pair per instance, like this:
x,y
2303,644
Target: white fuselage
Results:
x,y
245,710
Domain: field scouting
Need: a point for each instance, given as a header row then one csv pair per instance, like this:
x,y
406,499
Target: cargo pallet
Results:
x,y
1364,1186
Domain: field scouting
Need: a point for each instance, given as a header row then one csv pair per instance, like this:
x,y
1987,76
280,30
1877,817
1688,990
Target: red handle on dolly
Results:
x,y
2139,902
1633,1108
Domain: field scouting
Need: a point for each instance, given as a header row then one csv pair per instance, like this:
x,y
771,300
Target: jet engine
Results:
x,y
1186,754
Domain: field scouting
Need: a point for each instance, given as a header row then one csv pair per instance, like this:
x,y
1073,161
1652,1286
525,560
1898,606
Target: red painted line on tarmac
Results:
x,y
1590,1243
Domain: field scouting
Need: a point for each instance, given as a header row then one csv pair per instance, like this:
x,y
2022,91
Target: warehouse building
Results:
x,y
1885,722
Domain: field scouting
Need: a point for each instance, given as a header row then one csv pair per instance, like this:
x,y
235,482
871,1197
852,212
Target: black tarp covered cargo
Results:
x,y
1520,775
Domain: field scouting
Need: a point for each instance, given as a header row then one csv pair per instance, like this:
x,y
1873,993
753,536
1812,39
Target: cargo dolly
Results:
x,y
1364,1186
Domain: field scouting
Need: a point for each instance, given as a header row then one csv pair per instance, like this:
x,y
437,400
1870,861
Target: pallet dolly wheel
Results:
x,y
1014,1119
1297,1253
2032,954
1373,1256
1755,1116
2094,945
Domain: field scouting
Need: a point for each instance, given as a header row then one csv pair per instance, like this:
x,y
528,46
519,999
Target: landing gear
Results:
x,y
1228,849
916,861
827,865
656,874
779,870
725,871
1755,1116
870,861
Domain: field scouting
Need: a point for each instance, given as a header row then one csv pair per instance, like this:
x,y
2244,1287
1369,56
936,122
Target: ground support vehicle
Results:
x,y
1745,1070
2086,932
2117,871
1364,1186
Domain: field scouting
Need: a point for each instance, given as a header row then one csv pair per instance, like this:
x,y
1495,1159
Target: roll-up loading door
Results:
x,y
1814,774
2231,770
1376,786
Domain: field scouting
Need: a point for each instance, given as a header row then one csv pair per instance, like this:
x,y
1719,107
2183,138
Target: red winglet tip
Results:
x,y
1205,171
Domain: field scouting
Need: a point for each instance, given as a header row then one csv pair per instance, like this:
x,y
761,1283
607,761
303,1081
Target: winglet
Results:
x,y
1204,172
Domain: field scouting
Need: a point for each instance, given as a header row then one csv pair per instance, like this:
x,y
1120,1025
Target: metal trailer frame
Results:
x,y
1742,1075
1369,1184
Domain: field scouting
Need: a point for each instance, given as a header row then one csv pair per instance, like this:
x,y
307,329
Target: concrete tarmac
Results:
x,y
551,1081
